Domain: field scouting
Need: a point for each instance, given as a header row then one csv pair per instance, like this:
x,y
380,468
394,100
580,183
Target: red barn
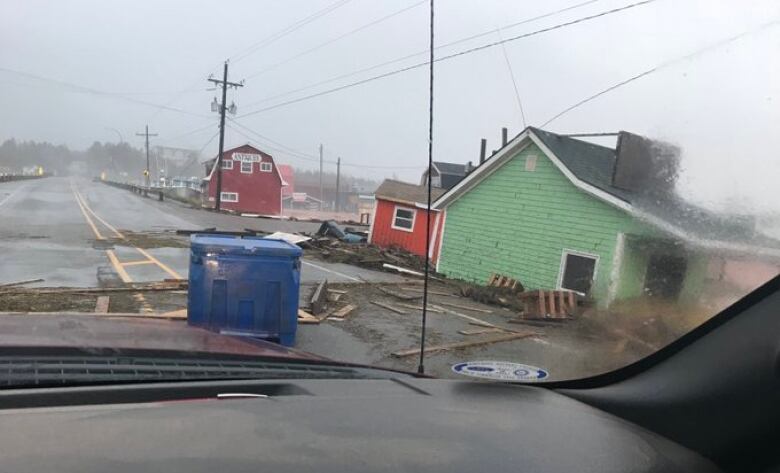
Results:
x,y
400,217
251,182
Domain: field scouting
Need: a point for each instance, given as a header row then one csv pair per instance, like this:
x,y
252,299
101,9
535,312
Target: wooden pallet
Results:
x,y
498,280
548,304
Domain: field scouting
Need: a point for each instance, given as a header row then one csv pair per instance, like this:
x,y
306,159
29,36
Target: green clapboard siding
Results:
x,y
517,223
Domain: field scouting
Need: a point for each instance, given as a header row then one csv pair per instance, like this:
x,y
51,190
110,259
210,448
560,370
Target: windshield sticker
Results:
x,y
500,371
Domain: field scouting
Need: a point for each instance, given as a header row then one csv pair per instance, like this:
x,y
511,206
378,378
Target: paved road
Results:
x,y
70,232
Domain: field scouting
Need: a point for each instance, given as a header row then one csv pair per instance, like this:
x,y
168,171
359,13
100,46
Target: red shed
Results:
x,y
251,182
399,217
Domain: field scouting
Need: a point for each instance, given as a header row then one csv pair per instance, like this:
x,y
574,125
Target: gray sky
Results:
x,y
721,106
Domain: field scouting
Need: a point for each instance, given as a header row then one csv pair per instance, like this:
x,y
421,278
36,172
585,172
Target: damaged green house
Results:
x,y
555,212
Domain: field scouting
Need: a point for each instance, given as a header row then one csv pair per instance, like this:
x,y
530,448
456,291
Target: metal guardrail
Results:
x,y
20,177
160,192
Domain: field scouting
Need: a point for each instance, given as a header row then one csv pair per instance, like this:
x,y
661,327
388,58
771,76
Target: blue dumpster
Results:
x,y
244,286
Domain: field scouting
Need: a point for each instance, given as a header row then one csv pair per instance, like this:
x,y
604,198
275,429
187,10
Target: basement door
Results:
x,y
577,271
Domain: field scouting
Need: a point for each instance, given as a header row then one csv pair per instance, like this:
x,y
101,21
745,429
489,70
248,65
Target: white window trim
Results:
x,y
263,164
395,214
242,168
227,164
223,198
562,267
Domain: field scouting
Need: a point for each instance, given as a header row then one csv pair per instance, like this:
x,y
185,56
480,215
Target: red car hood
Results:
x,y
123,333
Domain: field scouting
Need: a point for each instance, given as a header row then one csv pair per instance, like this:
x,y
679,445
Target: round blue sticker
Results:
x,y
500,370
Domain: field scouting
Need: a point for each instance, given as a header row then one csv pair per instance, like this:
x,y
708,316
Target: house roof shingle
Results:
x,y
404,192
450,168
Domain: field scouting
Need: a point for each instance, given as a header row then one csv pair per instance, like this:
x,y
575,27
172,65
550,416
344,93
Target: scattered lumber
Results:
x,y
306,318
467,344
435,293
498,280
20,283
337,291
389,307
138,315
93,290
479,331
101,306
431,308
465,307
319,299
402,270
343,312
398,295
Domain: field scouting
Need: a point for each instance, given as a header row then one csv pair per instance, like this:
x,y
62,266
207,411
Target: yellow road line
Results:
x,y
118,267
136,263
108,225
165,268
89,220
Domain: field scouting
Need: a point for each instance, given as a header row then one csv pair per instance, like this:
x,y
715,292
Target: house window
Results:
x,y
403,219
577,271
229,196
266,167
530,163
227,164
246,168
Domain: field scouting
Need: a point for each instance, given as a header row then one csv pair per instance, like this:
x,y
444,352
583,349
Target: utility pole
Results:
x,y
320,177
222,109
338,189
146,134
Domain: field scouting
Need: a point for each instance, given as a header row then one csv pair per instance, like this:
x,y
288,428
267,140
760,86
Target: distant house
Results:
x,y
400,216
288,176
251,182
556,212
445,175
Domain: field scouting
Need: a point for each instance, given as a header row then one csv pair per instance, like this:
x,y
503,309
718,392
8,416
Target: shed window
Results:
x,y
530,163
403,219
246,168
227,164
229,196
266,167
577,271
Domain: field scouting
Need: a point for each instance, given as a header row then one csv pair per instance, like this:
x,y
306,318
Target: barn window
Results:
x,y
229,196
227,164
530,163
246,167
403,219
266,167
578,271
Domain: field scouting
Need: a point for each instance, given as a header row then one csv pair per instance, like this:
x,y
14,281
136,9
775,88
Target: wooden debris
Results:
x,y
20,283
319,299
344,311
178,314
398,295
94,290
436,293
498,280
464,307
138,315
334,297
389,307
431,308
337,291
466,344
479,331
306,318
101,306
402,270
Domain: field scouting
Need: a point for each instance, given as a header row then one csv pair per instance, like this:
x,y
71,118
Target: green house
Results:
x,y
555,212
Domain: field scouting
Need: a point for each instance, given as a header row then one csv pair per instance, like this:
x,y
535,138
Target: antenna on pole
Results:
x,y
421,366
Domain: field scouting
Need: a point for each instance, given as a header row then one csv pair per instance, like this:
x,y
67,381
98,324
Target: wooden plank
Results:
x,y
431,307
389,307
466,307
551,301
398,295
333,296
21,283
402,270
436,293
101,306
306,318
467,344
337,291
344,311
542,310
319,299
561,303
478,331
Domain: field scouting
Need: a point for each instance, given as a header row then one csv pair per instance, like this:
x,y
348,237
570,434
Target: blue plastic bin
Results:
x,y
244,286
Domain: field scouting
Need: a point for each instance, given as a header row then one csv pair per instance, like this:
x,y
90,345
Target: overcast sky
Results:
x,y
720,106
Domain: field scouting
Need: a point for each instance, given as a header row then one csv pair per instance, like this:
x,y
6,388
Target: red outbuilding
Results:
x,y
251,182
400,217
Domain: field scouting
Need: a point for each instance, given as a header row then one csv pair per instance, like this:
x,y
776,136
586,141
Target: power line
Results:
x,y
101,93
419,53
450,56
514,82
287,30
208,142
337,38
659,67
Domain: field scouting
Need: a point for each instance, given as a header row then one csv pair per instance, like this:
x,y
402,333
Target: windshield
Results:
x,y
582,182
